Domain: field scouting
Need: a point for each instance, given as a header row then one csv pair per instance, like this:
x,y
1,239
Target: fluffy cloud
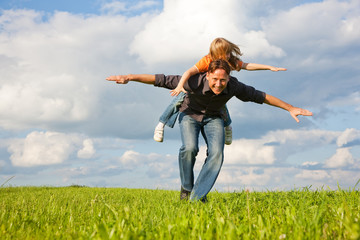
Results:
x,y
88,149
167,36
318,26
53,66
313,175
315,22
349,137
54,70
157,165
241,167
275,146
245,176
250,152
115,7
131,159
255,163
47,148
342,158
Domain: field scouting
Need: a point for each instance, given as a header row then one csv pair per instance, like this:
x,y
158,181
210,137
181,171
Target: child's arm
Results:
x,y
256,66
180,87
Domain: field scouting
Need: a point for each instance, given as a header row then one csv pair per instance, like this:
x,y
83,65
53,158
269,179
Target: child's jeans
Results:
x,y
226,116
172,111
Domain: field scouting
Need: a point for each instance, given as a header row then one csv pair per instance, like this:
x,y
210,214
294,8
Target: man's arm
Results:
x,y
294,111
124,79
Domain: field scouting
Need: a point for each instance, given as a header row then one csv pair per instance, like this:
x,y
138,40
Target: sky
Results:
x,y
62,123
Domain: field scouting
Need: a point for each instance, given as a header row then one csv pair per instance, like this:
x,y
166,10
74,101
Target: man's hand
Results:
x,y
119,79
295,111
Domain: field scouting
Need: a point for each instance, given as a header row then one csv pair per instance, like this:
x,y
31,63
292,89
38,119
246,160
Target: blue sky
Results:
x,y
79,6
61,123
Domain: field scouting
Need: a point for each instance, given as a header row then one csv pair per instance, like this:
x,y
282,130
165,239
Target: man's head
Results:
x,y
218,75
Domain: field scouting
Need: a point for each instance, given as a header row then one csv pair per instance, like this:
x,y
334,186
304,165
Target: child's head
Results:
x,y
220,48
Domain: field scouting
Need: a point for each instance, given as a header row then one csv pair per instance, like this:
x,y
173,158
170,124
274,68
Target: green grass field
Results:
x,y
117,213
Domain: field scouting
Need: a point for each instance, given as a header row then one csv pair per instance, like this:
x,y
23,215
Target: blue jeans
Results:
x,y
226,116
171,113
212,129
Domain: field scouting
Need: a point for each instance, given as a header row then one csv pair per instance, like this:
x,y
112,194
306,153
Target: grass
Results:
x,y
79,212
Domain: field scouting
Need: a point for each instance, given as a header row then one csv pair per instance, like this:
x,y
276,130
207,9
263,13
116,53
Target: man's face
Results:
x,y
217,80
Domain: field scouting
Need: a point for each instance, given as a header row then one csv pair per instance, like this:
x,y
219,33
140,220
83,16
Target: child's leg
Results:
x,y
228,128
171,112
226,117
168,117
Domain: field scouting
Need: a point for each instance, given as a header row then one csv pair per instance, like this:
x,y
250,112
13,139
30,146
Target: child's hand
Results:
x,y
177,91
275,69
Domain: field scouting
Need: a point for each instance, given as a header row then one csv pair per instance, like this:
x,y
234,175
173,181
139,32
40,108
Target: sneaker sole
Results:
x,y
158,140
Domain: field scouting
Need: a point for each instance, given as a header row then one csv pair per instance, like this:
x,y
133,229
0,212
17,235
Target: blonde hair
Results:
x,y
220,48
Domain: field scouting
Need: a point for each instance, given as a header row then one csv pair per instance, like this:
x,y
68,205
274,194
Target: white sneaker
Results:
x,y
228,135
159,134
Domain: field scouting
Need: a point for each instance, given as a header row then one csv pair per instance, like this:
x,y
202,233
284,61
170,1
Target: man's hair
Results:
x,y
219,64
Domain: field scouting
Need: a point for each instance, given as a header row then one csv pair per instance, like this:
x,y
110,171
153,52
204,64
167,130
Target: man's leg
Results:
x,y
189,129
213,131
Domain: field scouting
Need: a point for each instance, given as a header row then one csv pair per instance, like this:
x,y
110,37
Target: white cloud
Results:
x,y
342,158
247,151
349,136
131,159
183,33
315,175
273,147
115,7
301,137
255,163
316,29
309,164
238,170
157,165
54,71
345,177
312,165
42,148
257,45
88,149
316,22
164,168
246,176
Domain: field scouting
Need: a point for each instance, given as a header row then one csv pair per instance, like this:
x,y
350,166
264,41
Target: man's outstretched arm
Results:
x,y
124,79
294,111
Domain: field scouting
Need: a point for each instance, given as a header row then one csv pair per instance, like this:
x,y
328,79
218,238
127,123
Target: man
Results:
x,y
201,112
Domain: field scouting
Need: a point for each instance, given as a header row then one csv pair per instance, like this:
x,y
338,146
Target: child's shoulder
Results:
x,y
203,64
206,59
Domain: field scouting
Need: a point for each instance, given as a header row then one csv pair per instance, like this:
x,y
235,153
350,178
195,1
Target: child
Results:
x,y
220,48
